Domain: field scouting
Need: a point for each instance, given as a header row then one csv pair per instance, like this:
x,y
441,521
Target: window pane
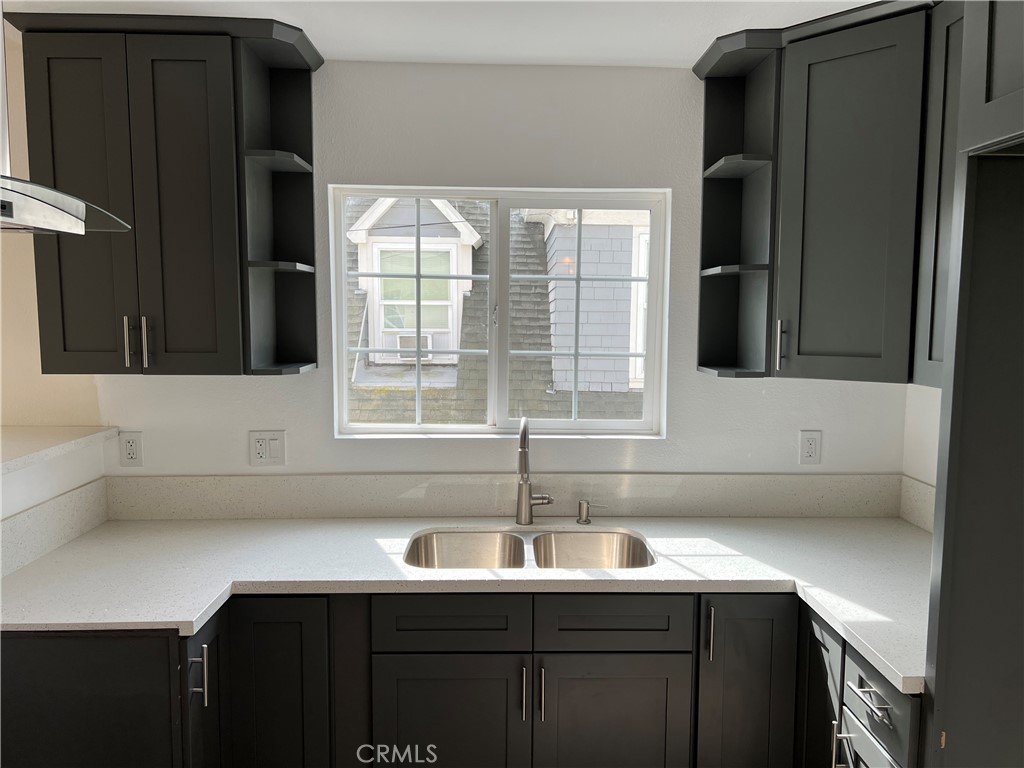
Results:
x,y
399,316
402,262
436,290
605,391
542,315
543,241
398,289
435,318
532,390
436,262
612,317
615,243
455,390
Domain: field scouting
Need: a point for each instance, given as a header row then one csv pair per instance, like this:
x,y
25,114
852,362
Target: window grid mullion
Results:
x,y
576,330
419,322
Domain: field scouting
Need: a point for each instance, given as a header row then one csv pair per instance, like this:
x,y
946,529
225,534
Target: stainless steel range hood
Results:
x,y
28,207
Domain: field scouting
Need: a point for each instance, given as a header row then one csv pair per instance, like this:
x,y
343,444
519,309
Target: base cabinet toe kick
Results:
x,y
470,680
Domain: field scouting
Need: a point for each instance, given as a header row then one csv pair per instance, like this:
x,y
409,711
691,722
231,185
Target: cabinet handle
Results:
x,y
711,634
880,711
205,661
543,690
779,357
836,736
523,703
127,343
145,342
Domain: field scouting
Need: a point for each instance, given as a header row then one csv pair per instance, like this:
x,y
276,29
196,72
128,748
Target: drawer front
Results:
x,y
858,748
897,729
446,623
613,622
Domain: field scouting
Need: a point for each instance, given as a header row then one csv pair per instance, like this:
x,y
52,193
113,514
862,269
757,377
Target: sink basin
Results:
x,y
591,549
466,549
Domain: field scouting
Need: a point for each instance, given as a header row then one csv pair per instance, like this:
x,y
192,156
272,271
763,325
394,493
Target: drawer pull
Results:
x,y
880,711
543,703
711,634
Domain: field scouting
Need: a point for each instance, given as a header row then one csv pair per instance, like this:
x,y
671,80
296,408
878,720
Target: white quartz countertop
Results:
x,y
22,447
868,578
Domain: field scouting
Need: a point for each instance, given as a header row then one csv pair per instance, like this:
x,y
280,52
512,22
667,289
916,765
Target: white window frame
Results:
x,y
503,200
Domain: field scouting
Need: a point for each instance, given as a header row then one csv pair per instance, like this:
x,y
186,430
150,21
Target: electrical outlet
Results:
x,y
810,446
130,445
266,449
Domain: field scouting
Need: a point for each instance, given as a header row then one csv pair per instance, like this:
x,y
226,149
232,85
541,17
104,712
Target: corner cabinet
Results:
x,y
851,118
152,118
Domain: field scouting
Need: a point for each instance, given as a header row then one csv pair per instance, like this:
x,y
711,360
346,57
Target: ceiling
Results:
x,y
586,32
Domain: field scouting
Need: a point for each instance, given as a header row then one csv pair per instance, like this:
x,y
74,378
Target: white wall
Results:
x,y
28,397
485,126
921,433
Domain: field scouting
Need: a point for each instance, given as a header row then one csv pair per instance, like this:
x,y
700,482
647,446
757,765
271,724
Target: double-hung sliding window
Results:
x,y
464,310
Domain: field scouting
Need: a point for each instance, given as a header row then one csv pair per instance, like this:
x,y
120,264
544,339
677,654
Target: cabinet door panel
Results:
x,y
851,114
746,697
279,682
616,710
90,700
472,708
183,153
993,73
820,689
937,204
206,716
76,99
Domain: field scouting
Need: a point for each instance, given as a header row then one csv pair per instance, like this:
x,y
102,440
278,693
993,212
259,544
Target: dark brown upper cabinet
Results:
x,y
197,132
993,74
76,94
848,179
938,212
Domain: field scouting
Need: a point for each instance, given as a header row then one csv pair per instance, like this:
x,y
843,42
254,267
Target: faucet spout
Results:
x,y
526,499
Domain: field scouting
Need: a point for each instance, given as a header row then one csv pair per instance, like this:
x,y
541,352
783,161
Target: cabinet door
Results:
x,y
205,693
993,73
819,689
851,118
183,165
937,205
467,710
90,700
280,686
612,710
76,101
746,696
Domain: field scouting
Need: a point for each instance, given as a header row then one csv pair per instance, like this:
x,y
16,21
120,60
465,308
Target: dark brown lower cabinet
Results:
x,y
464,710
205,695
747,681
819,698
280,682
612,710
90,700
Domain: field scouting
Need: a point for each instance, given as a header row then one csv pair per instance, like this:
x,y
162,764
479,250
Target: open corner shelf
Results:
x,y
728,372
283,369
733,269
283,266
278,161
736,166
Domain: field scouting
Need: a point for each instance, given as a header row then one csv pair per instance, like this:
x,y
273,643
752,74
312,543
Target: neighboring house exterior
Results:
x,y
382,386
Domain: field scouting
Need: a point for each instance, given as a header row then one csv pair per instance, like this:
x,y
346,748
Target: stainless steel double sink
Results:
x,y
552,548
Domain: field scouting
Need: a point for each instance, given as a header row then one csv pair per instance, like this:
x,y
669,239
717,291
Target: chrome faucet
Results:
x,y
526,499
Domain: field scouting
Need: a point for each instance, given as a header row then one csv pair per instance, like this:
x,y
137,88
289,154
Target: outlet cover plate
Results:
x,y
810,446
266,448
129,448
